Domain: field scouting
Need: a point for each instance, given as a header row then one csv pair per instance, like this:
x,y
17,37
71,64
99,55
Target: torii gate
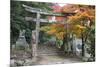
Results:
x,y
38,20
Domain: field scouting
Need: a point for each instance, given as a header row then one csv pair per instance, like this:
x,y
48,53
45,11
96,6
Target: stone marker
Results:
x,y
21,42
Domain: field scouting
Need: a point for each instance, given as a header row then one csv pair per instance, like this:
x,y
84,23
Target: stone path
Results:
x,y
45,60
46,55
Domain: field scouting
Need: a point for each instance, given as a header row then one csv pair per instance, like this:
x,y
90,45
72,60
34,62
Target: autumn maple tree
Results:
x,y
80,23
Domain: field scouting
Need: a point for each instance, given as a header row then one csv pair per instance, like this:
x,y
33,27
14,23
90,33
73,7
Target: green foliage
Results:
x,y
91,38
44,37
18,14
59,43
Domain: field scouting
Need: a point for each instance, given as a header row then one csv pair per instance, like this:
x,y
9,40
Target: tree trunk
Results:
x,y
72,44
93,48
65,43
83,44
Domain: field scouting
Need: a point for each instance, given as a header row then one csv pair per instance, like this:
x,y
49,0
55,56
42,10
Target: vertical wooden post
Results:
x,y
37,28
35,37
34,54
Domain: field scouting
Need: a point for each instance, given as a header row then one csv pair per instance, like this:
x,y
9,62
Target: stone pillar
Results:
x,y
35,37
37,28
34,46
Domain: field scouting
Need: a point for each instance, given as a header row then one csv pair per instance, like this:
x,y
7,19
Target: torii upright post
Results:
x,y
35,45
37,27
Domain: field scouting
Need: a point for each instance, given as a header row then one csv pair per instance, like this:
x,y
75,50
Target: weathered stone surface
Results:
x,y
20,62
12,63
21,42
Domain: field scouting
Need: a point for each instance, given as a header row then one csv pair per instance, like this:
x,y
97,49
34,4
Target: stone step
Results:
x,y
48,50
50,53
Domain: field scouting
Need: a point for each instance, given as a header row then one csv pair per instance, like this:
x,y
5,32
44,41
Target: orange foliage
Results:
x,y
57,30
68,8
60,35
74,24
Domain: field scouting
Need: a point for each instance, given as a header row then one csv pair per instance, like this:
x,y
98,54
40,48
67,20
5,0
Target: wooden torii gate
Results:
x,y
38,20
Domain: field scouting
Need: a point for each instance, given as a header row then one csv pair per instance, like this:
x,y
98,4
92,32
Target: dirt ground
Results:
x,y
48,56
44,60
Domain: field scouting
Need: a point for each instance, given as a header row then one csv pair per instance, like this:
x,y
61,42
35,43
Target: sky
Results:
x,y
61,4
